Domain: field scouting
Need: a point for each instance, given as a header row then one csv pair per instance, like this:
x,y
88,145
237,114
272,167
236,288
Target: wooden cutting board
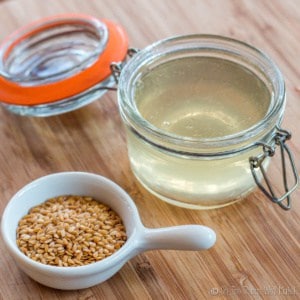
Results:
x,y
257,254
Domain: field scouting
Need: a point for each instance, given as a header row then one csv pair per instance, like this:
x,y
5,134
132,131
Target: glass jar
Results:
x,y
202,116
59,63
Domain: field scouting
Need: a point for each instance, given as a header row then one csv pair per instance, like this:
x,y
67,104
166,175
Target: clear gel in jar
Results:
x,y
196,109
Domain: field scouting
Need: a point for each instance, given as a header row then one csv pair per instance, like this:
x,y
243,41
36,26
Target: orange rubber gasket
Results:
x,y
115,51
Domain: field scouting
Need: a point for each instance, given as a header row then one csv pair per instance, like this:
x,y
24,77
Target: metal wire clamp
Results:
x,y
256,164
116,67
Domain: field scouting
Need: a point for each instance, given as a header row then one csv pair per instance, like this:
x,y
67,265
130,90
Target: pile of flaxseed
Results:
x,y
69,231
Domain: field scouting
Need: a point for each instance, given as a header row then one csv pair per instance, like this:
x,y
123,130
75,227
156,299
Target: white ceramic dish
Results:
x,y
187,237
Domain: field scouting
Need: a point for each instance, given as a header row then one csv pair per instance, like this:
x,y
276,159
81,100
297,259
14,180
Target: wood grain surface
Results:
x,y
257,254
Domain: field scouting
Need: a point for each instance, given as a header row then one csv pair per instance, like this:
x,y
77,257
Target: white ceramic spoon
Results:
x,y
187,237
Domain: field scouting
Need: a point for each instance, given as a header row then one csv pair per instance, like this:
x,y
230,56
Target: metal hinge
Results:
x,y
256,164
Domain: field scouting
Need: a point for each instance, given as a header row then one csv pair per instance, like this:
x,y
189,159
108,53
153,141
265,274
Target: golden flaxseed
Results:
x,y
70,231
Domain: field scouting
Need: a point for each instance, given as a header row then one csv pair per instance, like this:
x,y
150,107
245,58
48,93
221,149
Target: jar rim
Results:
x,y
236,142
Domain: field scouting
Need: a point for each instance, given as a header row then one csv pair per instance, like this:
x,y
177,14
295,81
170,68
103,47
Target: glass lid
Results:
x,y
58,57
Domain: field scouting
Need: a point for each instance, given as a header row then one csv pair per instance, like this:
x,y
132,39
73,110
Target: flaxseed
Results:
x,y
70,231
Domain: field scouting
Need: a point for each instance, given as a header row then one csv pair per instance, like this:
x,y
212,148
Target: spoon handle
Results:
x,y
186,237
